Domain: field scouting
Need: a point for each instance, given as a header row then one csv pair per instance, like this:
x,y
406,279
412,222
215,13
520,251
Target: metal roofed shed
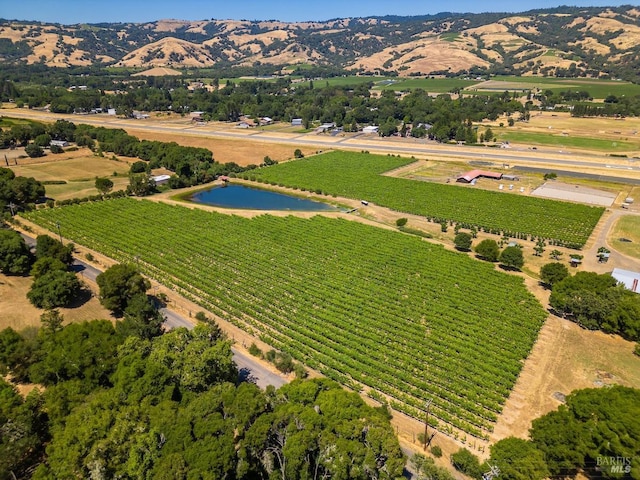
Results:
x,y
631,280
161,179
472,175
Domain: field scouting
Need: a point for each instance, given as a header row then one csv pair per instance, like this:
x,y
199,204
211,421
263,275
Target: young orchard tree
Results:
x,y
555,254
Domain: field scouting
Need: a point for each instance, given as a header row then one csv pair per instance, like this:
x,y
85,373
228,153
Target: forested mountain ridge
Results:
x,y
565,41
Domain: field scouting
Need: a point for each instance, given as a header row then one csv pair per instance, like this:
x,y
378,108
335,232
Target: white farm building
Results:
x,y
631,280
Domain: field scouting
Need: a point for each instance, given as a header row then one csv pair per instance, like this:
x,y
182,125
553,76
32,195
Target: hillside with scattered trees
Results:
x,y
564,41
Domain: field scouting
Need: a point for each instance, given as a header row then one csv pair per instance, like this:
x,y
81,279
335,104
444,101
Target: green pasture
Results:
x,y
604,145
628,228
596,88
435,85
450,36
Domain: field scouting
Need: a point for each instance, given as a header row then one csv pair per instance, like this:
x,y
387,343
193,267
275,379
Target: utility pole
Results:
x,y
493,472
59,232
426,424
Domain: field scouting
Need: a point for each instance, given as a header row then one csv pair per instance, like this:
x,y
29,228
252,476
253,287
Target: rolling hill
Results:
x,y
566,41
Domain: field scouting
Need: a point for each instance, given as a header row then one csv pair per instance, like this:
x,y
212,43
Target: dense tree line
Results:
x,y
598,302
612,107
119,406
192,165
347,106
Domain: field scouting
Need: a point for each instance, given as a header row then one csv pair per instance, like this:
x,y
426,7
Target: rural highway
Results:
x,y
409,146
250,369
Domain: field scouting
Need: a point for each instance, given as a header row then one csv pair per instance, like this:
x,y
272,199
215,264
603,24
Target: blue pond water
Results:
x,y
239,196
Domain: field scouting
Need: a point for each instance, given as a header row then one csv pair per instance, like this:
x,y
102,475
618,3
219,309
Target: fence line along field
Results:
x,y
404,320
359,176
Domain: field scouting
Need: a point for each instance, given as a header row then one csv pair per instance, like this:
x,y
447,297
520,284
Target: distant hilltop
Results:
x,y
565,41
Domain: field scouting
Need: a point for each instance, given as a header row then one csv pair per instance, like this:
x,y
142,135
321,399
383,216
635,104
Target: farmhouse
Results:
x,y
475,174
631,280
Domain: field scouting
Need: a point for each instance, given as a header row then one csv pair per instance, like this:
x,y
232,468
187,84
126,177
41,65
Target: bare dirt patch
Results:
x,y
574,193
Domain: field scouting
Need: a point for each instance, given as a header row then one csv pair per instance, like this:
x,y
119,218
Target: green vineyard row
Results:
x,y
359,176
368,307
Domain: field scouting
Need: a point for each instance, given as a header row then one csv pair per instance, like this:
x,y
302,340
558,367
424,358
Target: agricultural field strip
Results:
x,y
359,176
367,307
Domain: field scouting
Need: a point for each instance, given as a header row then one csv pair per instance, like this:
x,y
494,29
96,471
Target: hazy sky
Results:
x,y
93,11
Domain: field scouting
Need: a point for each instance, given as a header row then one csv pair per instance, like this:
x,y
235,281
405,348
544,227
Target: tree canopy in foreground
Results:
x,y
170,408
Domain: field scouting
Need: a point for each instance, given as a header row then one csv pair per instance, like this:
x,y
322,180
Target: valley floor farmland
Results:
x,y
359,175
374,309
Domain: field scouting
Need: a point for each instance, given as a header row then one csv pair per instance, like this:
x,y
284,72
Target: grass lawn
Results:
x,y
435,85
596,88
626,227
342,81
568,141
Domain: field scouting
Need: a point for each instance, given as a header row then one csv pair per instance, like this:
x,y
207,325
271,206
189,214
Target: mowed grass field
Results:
x,y
372,308
598,89
562,131
567,141
627,227
77,169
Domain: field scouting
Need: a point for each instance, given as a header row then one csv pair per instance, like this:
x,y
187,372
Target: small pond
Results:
x,y
239,196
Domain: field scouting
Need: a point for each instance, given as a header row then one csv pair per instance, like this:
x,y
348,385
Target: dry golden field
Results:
x,y
19,314
78,169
